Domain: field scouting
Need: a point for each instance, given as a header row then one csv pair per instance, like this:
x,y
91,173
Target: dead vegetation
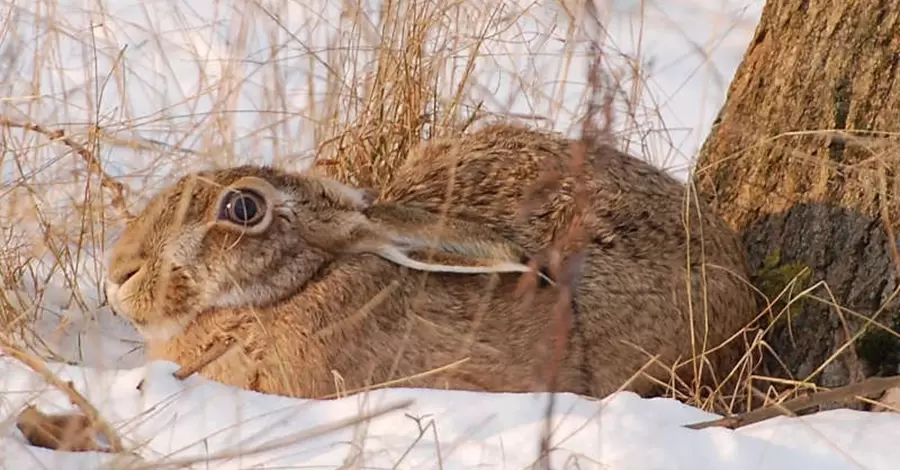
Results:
x,y
389,82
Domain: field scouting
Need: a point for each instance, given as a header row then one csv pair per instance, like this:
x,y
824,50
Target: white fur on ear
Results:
x,y
391,253
383,238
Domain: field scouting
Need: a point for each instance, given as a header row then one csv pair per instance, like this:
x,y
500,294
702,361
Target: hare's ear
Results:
x,y
422,241
355,198
461,258
446,261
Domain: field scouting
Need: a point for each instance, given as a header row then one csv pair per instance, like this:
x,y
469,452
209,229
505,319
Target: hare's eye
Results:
x,y
242,207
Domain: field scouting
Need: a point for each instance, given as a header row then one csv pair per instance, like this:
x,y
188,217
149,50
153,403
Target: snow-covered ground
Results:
x,y
178,61
195,420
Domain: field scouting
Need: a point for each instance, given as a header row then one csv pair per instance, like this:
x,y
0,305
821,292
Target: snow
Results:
x,y
191,421
176,52
182,422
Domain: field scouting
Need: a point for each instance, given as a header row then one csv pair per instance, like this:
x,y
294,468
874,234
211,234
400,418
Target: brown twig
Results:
x,y
213,354
116,188
115,444
569,271
217,350
867,388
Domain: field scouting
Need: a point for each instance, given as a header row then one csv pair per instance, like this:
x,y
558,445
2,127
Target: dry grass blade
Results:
x,y
403,100
279,443
395,382
116,189
867,388
115,444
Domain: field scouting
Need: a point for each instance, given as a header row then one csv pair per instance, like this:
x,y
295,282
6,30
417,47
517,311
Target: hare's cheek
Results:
x,y
185,249
181,295
163,294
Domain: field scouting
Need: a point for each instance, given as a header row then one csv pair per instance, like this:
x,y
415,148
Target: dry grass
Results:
x,y
86,141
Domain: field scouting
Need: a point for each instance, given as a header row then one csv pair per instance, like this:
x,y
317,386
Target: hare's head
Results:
x,y
244,236
251,236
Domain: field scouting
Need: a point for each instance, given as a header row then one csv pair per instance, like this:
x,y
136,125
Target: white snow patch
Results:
x,y
193,420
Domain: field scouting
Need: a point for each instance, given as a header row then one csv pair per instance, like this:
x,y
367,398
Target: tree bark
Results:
x,y
802,161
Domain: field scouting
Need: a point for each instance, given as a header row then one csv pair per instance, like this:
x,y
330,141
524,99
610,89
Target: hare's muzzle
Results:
x,y
113,284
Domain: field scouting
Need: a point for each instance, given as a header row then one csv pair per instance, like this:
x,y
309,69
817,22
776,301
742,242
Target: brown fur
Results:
x,y
310,299
304,296
634,286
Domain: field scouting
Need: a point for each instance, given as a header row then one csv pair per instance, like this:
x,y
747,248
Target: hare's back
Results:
x,y
480,169
495,175
508,159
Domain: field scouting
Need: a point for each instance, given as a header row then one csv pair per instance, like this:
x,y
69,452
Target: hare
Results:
x,y
324,286
315,283
641,254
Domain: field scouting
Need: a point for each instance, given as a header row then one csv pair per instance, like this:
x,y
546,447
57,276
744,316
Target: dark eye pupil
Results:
x,y
244,209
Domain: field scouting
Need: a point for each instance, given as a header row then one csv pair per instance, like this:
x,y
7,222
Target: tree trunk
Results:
x,y
803,163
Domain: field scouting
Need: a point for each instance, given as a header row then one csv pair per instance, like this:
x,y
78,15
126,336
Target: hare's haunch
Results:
x,y
318,280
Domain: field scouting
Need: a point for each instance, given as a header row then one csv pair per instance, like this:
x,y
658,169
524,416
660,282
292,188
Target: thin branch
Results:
x,y
567,267
867,388
218,350
116,189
